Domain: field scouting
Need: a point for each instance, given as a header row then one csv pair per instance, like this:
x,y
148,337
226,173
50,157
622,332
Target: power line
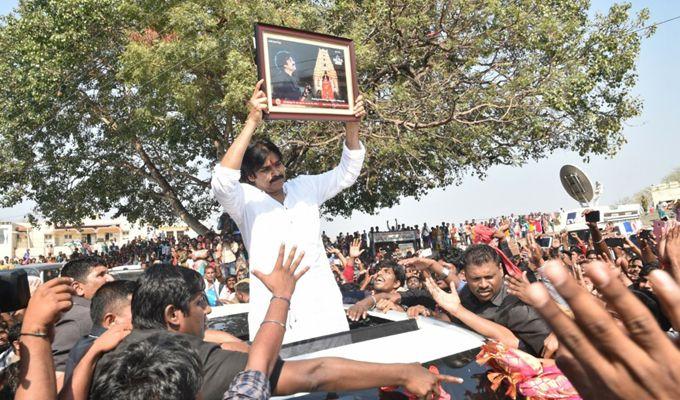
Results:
x,y
657,24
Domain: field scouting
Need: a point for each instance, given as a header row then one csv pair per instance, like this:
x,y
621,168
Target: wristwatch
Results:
x,y
446,271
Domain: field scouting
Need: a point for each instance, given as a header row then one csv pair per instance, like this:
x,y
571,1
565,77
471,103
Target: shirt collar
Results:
x,y
497,300
80,301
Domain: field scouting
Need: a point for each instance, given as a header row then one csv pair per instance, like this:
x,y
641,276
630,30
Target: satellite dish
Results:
x,y
577,185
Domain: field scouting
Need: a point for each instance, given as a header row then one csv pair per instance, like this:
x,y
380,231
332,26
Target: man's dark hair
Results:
x,y
281,58
242,287
79,268
479,254
162,366
109,297
398,270
160,286
255,156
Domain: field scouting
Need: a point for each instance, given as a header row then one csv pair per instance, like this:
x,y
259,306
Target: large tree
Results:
x,y
126,104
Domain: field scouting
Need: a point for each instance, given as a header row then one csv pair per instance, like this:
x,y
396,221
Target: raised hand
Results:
x,y
257,103
49,301
518,287
448,301
355,248
419,263
605,361
281,281
672,251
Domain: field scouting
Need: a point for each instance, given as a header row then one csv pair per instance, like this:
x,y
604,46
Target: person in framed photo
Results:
x,y
285,82
250,183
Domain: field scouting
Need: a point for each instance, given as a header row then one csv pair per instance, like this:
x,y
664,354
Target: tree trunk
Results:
x,y
169,193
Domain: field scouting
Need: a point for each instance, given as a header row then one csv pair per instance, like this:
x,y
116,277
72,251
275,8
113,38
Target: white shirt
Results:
x,y
316,306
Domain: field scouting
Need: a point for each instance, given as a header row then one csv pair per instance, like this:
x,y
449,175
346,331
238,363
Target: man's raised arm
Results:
x,y
225,181
257,103
352,128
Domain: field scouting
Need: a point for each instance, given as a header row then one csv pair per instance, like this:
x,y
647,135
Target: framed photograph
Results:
x,y
306,75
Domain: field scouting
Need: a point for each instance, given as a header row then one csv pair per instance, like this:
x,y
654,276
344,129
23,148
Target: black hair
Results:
x,y
399,272
479,254
255,156
281,58
109,297
162,366
160,286
242,287
79,268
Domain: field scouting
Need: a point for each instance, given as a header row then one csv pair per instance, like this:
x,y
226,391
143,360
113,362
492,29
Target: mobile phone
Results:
x,y
544,242
426,252
644,234
14,289
593,216
614,242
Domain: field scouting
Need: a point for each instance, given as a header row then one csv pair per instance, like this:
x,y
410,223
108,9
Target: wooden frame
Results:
x,y
307,75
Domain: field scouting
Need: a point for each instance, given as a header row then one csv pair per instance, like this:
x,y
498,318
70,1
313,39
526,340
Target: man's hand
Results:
x,y
332,250
359,112
448,301
417,310
419,263
281,281
355,248
550,346
386,305
357,312
110,339
536,253
603,360
423,383
672,251
518,287
257,103
49,301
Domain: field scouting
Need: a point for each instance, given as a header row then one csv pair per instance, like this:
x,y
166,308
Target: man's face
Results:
x,y
98,276
193,323
410,272
271,176
243,297
634,269
210,275
289,66
484,280
414,283
231,281
386,281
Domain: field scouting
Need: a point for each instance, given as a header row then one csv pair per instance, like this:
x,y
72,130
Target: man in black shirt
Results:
x,y
486,295
171,299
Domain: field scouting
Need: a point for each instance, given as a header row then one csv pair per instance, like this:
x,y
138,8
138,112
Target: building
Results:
x,y
47,240
665,192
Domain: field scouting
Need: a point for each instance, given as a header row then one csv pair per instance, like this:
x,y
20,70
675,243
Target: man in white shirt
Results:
x,y
250,184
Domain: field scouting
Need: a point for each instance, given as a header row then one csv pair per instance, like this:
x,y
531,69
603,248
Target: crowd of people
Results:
x,y
485,284
605,312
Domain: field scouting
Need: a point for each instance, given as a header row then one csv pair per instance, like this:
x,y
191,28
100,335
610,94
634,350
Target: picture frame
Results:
x,y
307,75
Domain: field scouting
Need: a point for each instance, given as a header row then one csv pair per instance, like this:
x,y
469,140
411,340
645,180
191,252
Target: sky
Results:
x,y
645,159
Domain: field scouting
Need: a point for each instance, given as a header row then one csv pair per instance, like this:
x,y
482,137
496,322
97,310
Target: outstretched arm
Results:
x,y
329,374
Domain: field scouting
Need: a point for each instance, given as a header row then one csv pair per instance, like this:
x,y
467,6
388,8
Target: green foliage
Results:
x,y
126,104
